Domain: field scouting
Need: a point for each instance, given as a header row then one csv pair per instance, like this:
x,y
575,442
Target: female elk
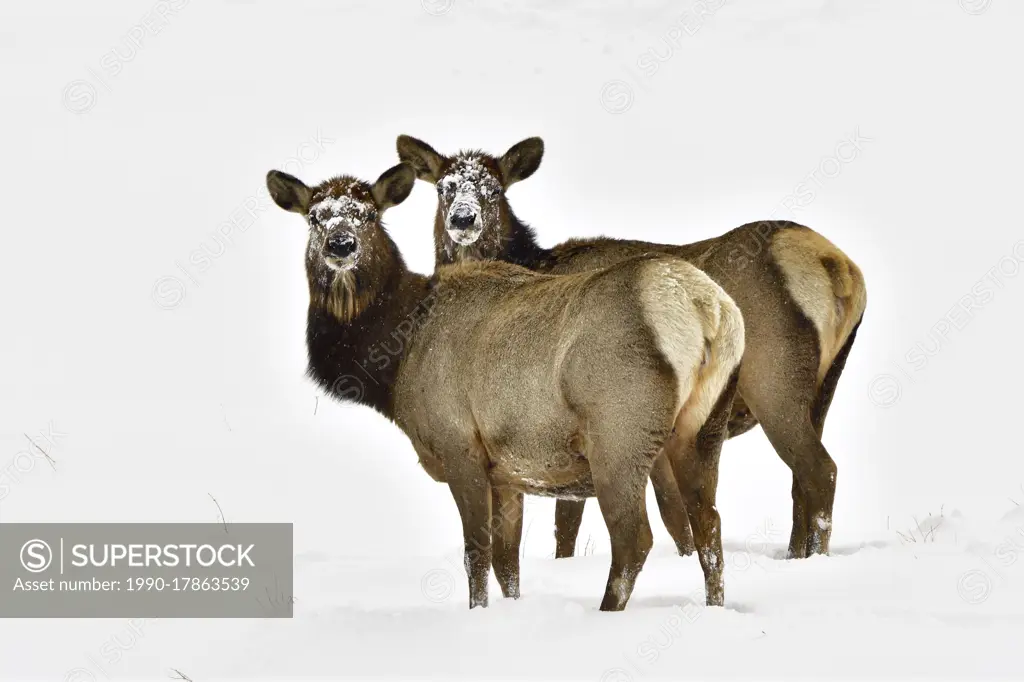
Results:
x,y
801,297
509,381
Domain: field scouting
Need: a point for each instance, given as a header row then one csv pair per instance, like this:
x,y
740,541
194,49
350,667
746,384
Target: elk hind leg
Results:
x,y
621,487
694,458
671,505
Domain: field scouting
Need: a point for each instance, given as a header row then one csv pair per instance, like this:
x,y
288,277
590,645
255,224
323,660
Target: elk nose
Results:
x,y
341,245
462,218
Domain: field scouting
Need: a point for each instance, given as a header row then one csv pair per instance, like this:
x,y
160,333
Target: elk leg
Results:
x,y
798,536
467,480
792,413
804,536
568,516
782,390
621,487
788,426
671,505
694,459
506,535
814,471
828,385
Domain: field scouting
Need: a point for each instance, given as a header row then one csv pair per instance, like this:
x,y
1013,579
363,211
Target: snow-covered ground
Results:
x,y
153,306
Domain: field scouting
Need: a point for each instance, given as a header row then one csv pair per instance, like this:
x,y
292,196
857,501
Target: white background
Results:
x,y
130,140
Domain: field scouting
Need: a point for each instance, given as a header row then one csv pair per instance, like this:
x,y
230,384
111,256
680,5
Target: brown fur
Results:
x,y
520,382
801,299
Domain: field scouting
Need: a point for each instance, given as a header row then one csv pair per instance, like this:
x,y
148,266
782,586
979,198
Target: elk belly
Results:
x,y
564,474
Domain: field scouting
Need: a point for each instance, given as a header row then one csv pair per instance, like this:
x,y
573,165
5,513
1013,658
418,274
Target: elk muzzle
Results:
x,y
464,224
340,251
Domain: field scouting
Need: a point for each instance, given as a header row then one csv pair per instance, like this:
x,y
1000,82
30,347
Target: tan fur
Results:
x,y
570,386
345,301
674,294
509,381
802,301
828,287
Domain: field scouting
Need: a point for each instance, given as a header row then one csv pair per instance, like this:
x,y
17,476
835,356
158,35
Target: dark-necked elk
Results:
x,y
802,300
508,381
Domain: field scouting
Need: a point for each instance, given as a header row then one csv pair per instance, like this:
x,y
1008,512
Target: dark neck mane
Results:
x,y
521,245
358,360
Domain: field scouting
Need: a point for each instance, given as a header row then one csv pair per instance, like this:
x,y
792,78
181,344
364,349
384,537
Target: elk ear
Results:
x,y
522,160
288,191
422,157
394,185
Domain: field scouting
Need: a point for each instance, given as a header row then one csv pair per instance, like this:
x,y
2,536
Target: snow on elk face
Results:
x,y
468,196
335,225
349,252
473,215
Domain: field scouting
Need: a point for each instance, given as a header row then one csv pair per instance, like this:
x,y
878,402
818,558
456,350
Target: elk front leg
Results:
x,y
506,535
568,516
467,480
671,505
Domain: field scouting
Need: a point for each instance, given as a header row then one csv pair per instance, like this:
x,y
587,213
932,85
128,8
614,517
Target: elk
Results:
x,y
802,301
509,381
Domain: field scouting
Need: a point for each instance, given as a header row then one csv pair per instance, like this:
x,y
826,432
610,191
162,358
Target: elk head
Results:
x,y
473,215
349,257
